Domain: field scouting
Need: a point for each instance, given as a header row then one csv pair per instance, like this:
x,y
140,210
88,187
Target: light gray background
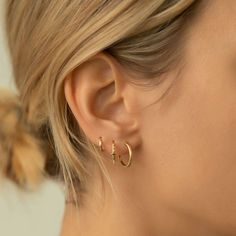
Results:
x,y
26,214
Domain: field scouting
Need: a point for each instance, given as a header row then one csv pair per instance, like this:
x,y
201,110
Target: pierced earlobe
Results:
x,y
113,152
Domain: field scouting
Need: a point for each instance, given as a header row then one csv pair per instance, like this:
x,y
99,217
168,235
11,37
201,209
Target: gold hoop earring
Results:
x,y
100,144
128,164
113,152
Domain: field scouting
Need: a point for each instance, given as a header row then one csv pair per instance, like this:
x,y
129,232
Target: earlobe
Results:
x,y
95,95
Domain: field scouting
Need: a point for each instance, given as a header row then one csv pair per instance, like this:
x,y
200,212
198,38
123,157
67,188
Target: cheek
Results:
x,y
192,148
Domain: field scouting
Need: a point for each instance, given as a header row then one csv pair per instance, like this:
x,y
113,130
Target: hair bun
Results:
x,y
21,156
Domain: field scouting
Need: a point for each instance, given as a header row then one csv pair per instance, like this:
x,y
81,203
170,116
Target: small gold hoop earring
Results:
x,y
113,152
100,144
128,164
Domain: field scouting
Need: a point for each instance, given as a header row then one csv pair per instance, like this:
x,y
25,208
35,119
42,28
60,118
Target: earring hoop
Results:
x,y
128,164
100,144
113,151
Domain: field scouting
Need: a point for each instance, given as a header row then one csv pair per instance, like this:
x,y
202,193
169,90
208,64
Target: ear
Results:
x,y
103,102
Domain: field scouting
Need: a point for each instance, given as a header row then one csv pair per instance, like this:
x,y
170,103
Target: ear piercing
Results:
x,y
100,144
130,156
113,152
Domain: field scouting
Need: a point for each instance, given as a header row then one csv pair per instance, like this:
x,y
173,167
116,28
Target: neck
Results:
x,y
107,219
128,211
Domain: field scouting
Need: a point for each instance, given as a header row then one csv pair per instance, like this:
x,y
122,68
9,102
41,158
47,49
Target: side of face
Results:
x,y
184,149
189,138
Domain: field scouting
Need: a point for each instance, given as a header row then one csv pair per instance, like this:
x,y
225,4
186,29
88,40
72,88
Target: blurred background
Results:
x,y
36,213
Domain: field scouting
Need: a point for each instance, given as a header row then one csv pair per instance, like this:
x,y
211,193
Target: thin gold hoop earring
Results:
x,y
100,144
113,151
128,164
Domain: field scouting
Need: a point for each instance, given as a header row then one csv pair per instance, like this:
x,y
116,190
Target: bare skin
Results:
x,y
183,176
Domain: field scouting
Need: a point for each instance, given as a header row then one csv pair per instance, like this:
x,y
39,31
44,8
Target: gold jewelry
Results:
x,y
130,156
113,151
100,144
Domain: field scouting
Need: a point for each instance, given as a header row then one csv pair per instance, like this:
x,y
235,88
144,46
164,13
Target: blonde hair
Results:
x,y
49,39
